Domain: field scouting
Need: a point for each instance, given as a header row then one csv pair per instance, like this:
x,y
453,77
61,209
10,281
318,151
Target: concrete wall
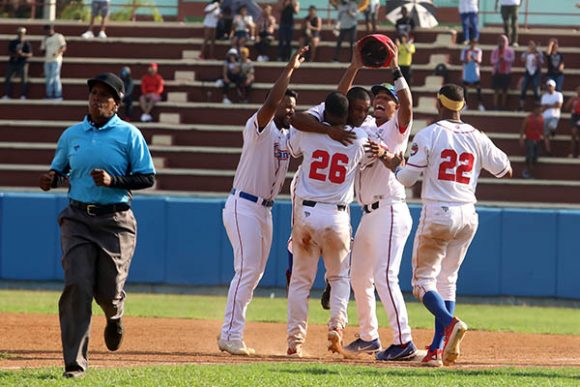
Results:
x,y
182,242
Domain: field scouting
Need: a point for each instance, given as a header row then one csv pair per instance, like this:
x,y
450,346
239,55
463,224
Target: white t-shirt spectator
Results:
x,y
509,2
550,99
212,13
467,6
51,45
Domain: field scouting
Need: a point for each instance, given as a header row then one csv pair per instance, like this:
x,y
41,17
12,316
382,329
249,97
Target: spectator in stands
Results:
x,y
103,159
288,8
371,13
231,73
405,25
19,51
346,19
532,60
573,104
224,26
127,100
266,27
244,28
405,57
509,13
246,74
468,11
53,45
98,8
210,21
311,33
152,85
502,59
471,58
531,134
555,61
551,104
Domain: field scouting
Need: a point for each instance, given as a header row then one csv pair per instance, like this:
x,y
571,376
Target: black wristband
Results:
x,y
397,73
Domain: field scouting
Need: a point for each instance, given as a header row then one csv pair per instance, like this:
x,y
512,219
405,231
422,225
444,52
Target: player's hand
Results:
x,y
337,133
392,161
46,180
375,149
394,53
298,57
356,61
101,178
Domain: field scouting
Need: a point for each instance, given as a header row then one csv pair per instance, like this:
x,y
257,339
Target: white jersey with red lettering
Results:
x,y
451,155
264,161
376,182
247,216
328,168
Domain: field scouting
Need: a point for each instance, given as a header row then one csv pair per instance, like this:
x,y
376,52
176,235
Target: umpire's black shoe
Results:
x,y
114,334
325,297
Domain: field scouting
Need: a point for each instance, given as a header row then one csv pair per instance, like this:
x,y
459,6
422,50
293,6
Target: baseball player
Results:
x,y
324,190
450,155
247,214
386,222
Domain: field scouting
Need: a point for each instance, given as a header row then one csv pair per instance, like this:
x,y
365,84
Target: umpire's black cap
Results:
x,y
112,81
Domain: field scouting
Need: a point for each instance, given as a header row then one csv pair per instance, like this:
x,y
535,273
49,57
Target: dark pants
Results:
x,y
509,13
264,44
348,33
285,41
407,73
96,255
534,81
128,104
21,70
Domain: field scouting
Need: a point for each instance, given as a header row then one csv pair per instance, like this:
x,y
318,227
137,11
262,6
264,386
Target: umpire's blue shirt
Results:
x,y
117,147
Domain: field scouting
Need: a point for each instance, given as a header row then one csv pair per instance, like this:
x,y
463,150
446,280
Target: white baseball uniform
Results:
x,y
247,216
380,239
450,155
324,190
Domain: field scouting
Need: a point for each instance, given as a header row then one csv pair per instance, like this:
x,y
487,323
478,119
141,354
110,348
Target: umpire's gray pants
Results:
x,y
97,252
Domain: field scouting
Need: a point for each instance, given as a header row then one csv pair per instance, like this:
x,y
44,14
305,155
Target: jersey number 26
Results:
x,y
321,161
450,171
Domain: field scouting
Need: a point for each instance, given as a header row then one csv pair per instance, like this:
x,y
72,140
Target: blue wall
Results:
x,y
182,242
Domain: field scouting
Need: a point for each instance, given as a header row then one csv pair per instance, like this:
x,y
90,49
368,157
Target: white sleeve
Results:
x,y
560,97
317,112
419,156
494,159
407,176
294,142
251,130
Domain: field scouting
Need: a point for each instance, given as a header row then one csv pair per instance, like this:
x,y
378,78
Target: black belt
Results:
x,y
253,198
98,209
312,203
368,208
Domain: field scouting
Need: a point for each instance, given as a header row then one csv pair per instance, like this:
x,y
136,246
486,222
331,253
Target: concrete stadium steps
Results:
x,y
207,180
331,73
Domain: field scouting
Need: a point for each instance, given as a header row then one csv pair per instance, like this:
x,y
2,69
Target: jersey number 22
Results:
x,y
321,161
449,169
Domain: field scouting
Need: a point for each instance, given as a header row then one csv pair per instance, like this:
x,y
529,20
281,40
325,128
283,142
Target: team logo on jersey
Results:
x,y
280,154
414,149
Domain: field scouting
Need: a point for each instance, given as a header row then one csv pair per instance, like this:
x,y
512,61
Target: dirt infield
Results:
x,y
33,340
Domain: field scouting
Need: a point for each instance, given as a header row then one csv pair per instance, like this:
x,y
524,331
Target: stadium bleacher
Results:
x,y
196,140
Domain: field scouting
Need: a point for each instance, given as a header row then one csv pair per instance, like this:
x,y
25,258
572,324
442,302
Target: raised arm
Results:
x,y
305,122
351,71
405,112
268,109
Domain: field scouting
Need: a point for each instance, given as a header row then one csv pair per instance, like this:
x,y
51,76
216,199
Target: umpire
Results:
x,y
103,158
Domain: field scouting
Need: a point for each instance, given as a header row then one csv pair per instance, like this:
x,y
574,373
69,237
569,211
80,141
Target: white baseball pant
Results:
x,y
376,259
441,242
249,229
319,230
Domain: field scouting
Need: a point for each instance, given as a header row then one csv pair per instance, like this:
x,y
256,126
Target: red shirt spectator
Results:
x,y
152,84
534,127
151,89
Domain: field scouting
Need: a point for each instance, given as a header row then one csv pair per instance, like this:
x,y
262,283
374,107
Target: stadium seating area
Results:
x,y
196,140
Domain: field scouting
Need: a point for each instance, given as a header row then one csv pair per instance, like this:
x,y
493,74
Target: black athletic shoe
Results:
x,y
325,298
114,334
73,372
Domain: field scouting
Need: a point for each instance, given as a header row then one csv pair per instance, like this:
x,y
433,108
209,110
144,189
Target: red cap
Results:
x,y
373,50
153,66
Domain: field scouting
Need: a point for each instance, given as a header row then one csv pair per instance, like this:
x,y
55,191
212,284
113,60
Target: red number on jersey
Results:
x,y
321,159
448,171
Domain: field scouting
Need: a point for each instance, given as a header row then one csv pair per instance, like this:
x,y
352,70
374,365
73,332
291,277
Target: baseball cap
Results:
x,y
388,88
232,51
551,82
112,81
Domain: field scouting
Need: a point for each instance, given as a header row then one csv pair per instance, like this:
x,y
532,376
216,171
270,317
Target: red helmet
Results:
x,y
374,51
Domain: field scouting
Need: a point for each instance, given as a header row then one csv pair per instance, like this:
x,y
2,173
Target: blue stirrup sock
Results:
x,y
443,312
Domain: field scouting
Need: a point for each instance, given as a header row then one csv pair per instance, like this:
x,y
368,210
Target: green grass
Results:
x,y
288,374
480,317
